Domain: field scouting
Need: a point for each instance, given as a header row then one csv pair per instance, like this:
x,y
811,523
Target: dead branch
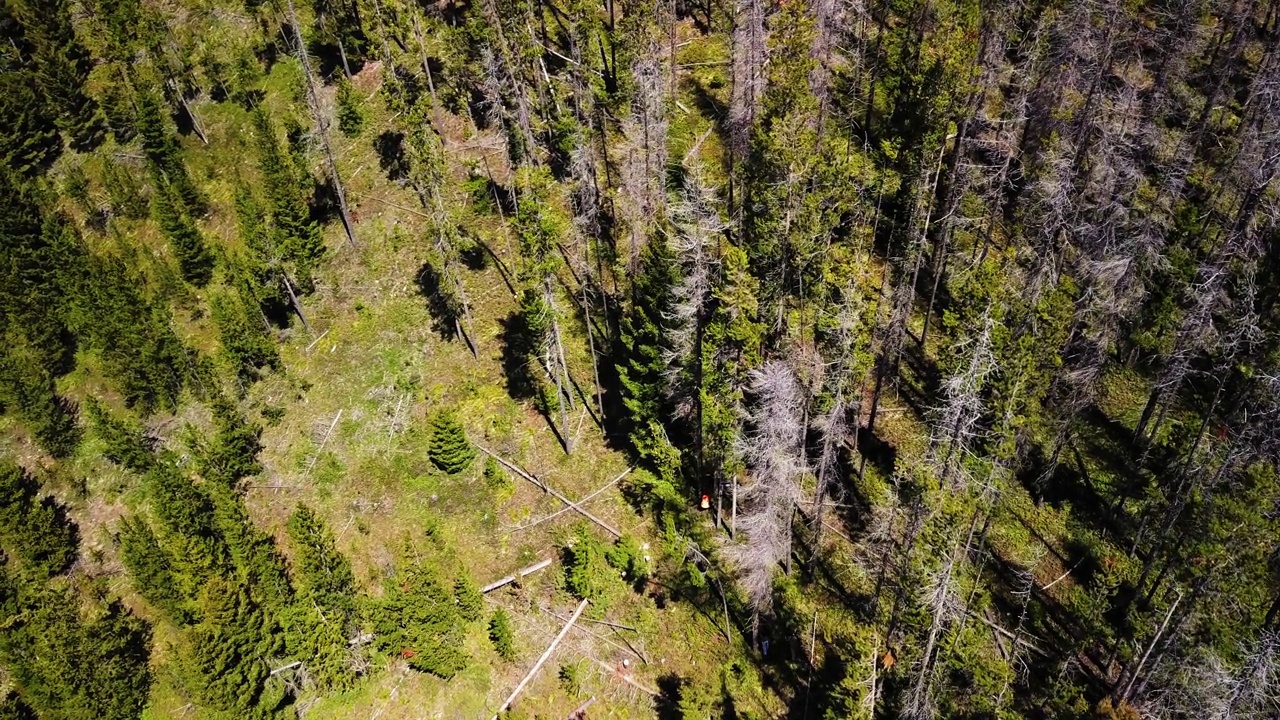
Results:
x,y
542,660
547,488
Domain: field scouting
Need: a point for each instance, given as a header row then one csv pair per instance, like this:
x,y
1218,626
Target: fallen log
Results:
x,y
542,660
512,578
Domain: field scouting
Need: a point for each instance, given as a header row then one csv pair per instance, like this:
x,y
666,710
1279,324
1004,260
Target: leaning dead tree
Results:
x,y
322,126
1204,685
774,451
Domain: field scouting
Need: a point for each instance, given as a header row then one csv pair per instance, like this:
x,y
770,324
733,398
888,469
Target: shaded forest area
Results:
x,y
941,339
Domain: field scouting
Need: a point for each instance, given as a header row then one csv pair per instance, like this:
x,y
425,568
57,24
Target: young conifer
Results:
x,y
501,636
450,451
127,444
194,258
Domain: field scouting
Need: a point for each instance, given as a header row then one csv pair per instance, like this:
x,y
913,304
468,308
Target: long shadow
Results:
x,y
444,316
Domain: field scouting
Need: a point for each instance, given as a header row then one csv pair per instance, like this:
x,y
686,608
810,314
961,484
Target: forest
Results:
x,y
676,359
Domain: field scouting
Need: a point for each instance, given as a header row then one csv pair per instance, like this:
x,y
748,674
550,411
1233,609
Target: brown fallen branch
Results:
x,y
548,489
580,712
1006,633
626,678
542,660
629,648
562,511
512,578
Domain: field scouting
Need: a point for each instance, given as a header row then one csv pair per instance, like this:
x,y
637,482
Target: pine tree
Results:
x,y
194,257
449,449
127,444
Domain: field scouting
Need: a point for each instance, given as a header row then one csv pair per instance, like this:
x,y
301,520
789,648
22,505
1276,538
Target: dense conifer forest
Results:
x,y
811,359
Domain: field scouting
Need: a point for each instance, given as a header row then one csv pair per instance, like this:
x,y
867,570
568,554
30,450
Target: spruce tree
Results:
x,y
322,618
449,449
321,573
295,236
351,113
62,68
642,346
259,565
151,569
418,619
194,257
232,454
133,335
244,339
221,657
34,529
69,664
30,141
501,636
127,444
164,155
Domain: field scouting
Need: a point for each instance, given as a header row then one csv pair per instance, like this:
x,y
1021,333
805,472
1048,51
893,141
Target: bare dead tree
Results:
x,y
957,425
942,602
774,452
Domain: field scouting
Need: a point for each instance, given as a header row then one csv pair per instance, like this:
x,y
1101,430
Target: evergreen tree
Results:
x,y
66,665
133,336
62,68
164,156
643,348
319,625
295,236
449,449
321,573
36,530
152,570
127,444
418,619
338,26
232,454
259,565
244,339
30,141
222,656
194,257
501,636
351,112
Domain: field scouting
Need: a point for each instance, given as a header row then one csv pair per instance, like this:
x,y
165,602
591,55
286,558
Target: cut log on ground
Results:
x,y
512,578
